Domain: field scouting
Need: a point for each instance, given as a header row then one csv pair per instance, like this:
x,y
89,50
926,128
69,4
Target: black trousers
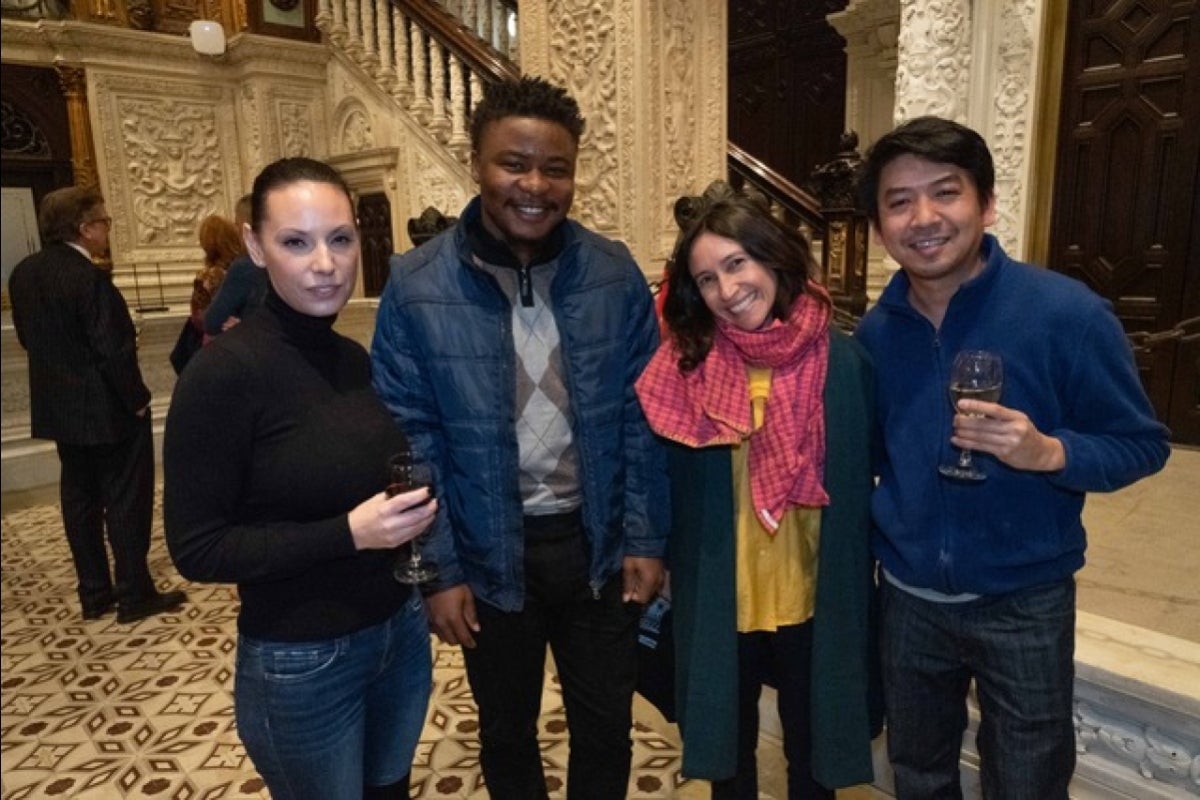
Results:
x,y
109,489
593,639
783,659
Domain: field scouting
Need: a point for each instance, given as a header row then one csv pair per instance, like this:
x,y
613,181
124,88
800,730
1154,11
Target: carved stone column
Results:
x,y
1009,45
73,81
650,83
870,28
934,59
977,63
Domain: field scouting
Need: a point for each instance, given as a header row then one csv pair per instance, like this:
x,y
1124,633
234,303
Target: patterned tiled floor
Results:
x,y
101,711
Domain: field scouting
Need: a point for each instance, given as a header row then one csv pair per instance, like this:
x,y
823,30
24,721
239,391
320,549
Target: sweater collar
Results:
x,y
301,328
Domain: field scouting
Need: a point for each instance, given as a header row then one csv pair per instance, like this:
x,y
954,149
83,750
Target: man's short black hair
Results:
x,y
934,139
527,97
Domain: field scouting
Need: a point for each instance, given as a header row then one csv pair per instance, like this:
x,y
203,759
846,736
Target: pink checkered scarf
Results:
x,y
711,404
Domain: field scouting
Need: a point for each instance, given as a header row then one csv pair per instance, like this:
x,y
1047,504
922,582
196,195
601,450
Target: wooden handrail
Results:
x,y
781,191
483,59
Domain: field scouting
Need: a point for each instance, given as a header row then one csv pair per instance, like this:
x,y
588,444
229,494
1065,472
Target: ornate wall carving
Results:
x,y
432,186
170,157
976,63
404,160
353,126
934,62
584,60
1008,123
654,99
250,119
680,73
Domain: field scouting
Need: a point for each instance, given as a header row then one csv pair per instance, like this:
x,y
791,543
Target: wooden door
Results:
x,y
375,227
787,83
1127,189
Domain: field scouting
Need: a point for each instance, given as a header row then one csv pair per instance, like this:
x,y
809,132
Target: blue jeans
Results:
x,y
1020,650
323,720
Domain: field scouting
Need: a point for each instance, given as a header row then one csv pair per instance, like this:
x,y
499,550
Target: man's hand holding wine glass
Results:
x,y
1007,434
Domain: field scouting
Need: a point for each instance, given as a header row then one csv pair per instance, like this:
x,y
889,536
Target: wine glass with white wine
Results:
x,y
976,375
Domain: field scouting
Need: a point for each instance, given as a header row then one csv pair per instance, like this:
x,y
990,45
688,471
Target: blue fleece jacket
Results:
x,y
1067,365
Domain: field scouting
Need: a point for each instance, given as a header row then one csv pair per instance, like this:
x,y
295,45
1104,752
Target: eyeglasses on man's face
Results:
x,y
106,220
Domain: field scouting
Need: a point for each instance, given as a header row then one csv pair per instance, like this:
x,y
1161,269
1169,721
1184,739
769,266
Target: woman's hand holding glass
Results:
x,y
384,523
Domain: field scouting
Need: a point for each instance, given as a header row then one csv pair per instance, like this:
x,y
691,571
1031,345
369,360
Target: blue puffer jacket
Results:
x,y
443,362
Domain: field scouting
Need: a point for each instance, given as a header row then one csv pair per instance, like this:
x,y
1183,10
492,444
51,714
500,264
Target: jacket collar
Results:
x,y
895,295
491,250
476,240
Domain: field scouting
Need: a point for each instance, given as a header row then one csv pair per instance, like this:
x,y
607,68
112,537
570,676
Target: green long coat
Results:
x,y
845,710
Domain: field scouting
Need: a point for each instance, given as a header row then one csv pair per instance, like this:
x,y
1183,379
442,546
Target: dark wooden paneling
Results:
x,y
37,137
787,83
375,227
1127,186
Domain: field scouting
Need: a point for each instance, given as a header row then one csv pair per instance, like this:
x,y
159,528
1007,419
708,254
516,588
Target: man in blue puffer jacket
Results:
x,y
978,574
507,348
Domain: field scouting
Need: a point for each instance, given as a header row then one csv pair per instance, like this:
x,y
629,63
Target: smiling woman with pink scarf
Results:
x,y
768,413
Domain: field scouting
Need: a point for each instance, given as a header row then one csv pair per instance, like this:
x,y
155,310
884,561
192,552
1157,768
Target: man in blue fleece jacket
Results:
x,y
978,575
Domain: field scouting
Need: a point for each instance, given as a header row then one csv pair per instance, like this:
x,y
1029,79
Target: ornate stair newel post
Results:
x,y
844,256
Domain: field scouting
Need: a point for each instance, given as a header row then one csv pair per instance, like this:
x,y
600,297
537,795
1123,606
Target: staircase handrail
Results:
x,y
799,206
483,59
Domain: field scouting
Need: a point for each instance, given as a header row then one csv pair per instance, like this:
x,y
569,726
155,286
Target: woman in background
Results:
x,y
768,413
275,459
221,242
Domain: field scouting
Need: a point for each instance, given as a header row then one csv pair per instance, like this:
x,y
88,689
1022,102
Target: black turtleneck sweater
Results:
x,y
273,435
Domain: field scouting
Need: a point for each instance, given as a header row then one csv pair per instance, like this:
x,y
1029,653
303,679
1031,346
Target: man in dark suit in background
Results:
x,y
87,394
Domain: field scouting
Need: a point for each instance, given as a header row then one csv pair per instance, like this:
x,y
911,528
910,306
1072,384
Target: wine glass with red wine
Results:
x,y
405,476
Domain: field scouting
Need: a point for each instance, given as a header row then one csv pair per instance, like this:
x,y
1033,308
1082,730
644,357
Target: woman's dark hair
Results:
x,y
933,139
287,171
779,248
527,97
64,210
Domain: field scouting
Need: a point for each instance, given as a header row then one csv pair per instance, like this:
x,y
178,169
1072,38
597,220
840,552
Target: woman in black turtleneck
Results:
x,y
275,461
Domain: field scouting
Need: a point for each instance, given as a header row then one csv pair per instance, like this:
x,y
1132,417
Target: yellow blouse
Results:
x,y
776,574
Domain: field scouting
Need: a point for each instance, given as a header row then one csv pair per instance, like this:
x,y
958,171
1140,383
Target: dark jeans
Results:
x,y
1020,649
784,659
109,488
593,640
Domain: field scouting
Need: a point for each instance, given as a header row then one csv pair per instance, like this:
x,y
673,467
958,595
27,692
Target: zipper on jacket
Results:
x,y
525,284
945,560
